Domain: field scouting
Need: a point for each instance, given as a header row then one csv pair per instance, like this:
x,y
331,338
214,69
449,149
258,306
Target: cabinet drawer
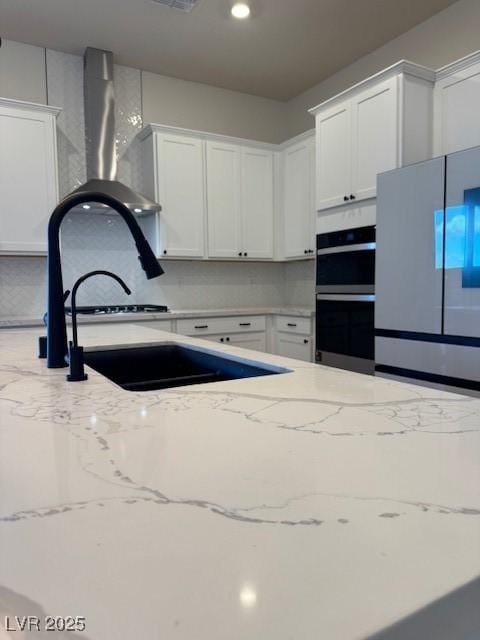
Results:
x,y
293,324
206,326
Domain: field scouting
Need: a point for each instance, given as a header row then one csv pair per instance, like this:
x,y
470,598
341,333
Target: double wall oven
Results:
x,y
345,299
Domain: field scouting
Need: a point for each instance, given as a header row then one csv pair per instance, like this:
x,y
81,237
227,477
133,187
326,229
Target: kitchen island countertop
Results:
x,y
316,504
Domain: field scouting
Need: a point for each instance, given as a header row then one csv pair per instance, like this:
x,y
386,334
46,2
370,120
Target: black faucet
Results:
x,y
56,327
75,352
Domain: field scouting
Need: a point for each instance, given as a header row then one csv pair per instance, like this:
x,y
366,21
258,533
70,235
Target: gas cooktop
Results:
x,y
121,308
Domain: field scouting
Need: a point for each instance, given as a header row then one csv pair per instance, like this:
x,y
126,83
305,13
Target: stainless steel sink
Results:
x,y
160,366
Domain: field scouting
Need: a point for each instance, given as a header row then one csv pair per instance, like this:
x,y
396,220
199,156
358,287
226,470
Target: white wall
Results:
x,y
165,100
22,72
199,106
443,38
447,36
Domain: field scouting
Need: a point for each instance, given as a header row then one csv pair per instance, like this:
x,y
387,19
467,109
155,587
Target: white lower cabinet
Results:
x,y
249,332
289,336
293,337
293,345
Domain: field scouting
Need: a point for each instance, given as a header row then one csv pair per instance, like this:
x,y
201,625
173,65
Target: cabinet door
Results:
x,y
457,125
293,346
223,200
257,203
28,179
298,203
254,341
333,142
181,192
374,136
462,244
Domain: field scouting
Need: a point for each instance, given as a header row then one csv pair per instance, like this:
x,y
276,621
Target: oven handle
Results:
x,y
346,297
347,248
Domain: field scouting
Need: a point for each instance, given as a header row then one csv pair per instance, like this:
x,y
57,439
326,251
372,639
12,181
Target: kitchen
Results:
x,y
323,502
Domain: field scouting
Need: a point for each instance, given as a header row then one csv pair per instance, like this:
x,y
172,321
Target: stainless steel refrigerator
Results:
x,y
427,312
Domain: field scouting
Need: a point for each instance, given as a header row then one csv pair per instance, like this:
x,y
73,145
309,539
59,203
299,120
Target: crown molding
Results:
x,y
301,137
204,135
459,65
401,67
31,106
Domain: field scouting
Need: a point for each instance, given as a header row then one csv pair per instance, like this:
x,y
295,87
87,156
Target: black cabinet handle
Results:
x,y
240,254
345,198
244,324
305,341
291,324
245,254
164,252
306,251
221,339
352,197
201,326
227,339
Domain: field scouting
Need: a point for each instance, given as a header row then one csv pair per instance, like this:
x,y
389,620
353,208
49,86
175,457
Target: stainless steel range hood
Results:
x,y
100,134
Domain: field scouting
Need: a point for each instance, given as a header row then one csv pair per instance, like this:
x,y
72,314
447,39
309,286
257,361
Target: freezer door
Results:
x,y
462,244
409,256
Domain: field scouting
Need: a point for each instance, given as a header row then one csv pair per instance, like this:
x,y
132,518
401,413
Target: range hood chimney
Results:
x,y
100,134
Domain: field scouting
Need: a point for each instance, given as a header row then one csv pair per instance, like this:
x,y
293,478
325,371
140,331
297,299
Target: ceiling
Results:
x,y
286,47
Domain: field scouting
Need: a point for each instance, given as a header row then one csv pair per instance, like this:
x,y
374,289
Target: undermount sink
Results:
x,y
160,366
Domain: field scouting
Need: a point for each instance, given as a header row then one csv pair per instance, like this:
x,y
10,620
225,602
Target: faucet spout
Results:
x,y
56,326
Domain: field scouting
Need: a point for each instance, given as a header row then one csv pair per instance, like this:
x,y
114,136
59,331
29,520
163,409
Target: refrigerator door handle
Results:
x,y
346,297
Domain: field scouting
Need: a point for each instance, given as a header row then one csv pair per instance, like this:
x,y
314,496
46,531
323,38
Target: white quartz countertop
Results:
x,y
312,505
7,322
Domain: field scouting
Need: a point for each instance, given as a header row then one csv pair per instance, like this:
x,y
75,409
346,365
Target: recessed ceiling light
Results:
x,y
86,206
240,10
137,210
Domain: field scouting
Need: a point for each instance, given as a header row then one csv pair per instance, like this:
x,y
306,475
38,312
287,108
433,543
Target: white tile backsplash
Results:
x,y
300,283
65,90
185,284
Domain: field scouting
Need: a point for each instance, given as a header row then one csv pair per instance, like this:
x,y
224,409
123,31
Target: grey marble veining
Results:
x,y
325,488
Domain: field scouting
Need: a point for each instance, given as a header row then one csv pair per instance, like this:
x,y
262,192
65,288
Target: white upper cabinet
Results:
x,y
374,136
174,176
28,175
257,203
216,194
181,193
375,126
298,199
457,103
239,201
223,198
334,141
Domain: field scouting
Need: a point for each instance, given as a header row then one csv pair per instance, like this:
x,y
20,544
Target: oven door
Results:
x,y
350,268
345,331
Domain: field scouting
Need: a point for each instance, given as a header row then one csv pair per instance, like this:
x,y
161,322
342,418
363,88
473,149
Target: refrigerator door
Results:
x,y
409,256
462,244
